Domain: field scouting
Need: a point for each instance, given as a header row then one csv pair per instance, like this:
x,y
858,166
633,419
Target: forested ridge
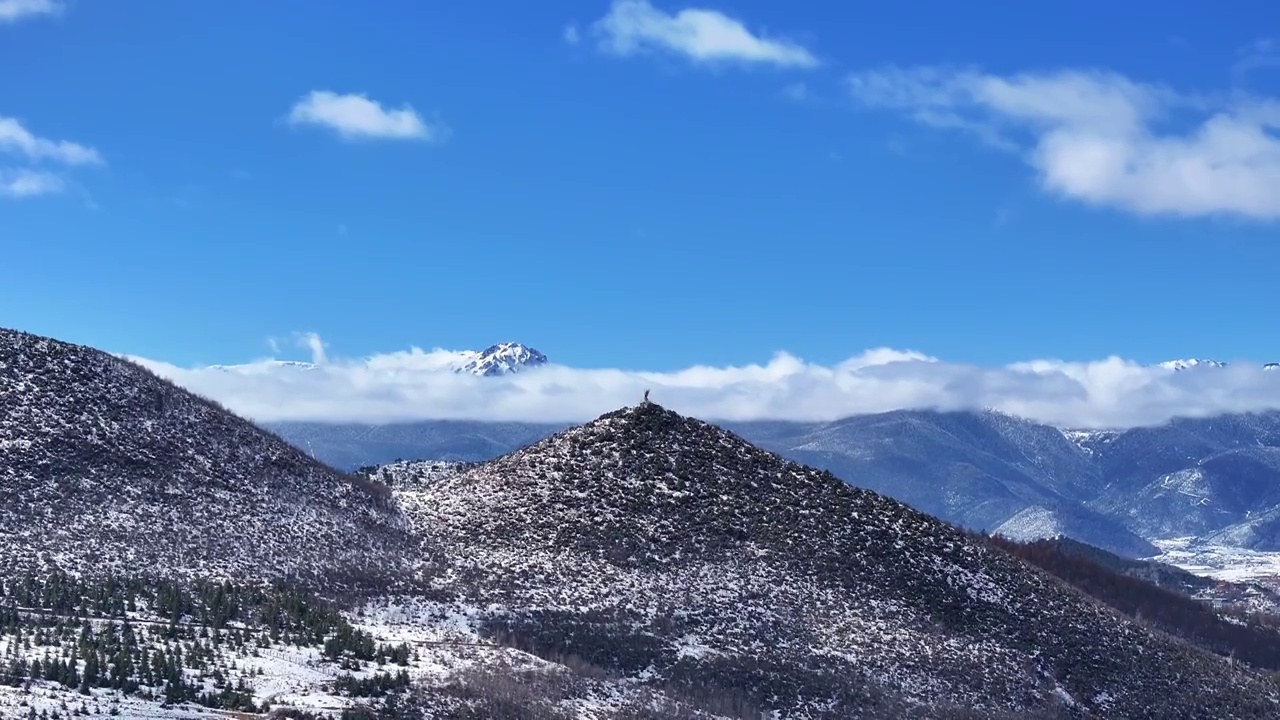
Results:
x,y
1252,638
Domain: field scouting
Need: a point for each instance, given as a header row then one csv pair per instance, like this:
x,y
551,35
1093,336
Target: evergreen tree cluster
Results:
x,y
85,634
376,685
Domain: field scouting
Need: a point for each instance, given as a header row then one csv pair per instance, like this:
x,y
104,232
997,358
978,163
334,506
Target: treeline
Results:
x,y
376,685
279,607
133,661
85,634
1245,637
285,614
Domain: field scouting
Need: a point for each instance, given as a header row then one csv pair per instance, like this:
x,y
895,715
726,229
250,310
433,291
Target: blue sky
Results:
x,y
624,185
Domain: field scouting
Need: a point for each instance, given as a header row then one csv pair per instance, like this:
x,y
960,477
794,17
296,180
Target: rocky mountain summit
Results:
x,y
1188,363
1210,478
672,551
502,359
106,468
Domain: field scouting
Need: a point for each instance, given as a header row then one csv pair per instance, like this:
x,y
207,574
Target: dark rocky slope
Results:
x,y
672,551
105,468
1211,478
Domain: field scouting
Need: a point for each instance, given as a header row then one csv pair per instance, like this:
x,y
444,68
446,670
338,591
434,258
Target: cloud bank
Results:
x,y
419,384
703,36
1102,138
354,116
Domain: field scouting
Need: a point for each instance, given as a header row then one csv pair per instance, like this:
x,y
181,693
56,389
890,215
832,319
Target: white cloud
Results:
x,y
418,384
315,344
16,139
704,36
25,182
355,116
15,10
571,34
1102,138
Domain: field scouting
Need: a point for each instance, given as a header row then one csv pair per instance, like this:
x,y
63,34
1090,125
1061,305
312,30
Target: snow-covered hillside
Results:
x,y
672,551
1117,489
107,468
413,475
159,555
147,651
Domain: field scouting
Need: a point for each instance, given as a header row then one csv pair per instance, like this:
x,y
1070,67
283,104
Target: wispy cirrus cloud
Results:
x,y
15,10
32,179
25,182
1102,138
1257,55
419,384
354,116
313,342
702,36
17,139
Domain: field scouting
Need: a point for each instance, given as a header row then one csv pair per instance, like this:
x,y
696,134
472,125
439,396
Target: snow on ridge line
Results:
x,y
505,358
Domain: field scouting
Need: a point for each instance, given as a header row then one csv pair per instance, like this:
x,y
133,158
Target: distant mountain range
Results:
x,y
160,557
1217,479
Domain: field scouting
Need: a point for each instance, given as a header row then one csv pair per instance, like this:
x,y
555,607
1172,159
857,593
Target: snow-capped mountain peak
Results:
x,y
1188,363
502,359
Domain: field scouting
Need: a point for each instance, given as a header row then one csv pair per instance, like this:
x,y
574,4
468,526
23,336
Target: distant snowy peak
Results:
x,y
1089,439
496,360
1189,363
502,359
266,365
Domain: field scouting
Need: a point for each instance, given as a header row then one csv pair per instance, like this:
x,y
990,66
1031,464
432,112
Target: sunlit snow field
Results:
x,y
1221,562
